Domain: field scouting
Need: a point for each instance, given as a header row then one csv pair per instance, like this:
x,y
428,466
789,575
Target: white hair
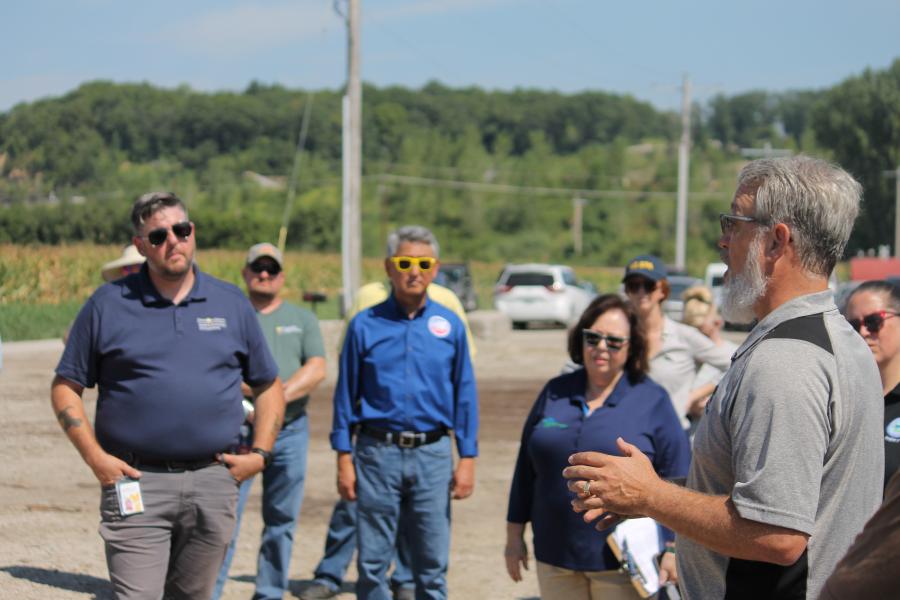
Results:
x,y
412,233
817,199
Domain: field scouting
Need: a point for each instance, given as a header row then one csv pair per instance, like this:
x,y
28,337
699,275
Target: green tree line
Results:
x,y
71,166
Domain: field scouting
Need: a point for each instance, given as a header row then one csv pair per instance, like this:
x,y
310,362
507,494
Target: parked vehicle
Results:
x,y
673,306
540,292
458,278
715,279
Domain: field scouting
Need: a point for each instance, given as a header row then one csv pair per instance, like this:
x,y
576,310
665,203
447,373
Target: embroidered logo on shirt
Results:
x,y
439,326
286,329
211,323
892,431
551,422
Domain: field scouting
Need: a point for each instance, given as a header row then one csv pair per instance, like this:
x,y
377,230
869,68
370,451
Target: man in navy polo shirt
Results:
x,y
405,380
168,348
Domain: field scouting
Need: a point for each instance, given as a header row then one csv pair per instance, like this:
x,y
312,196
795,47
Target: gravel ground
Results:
x,y
49,545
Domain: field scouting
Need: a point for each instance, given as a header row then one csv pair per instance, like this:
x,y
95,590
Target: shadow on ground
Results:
x,y
72,582
298,586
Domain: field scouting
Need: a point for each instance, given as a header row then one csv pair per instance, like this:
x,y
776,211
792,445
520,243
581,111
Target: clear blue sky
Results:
x,y
637,47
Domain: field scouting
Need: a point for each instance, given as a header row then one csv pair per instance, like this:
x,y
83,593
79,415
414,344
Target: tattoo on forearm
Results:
x,y
66,420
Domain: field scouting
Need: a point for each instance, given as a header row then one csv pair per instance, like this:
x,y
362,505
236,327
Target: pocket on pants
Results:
x,y
109,504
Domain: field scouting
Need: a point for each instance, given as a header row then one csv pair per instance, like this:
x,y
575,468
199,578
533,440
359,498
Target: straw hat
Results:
x,y
130,256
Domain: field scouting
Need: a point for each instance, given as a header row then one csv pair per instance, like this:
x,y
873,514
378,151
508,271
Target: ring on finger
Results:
x,y
587,488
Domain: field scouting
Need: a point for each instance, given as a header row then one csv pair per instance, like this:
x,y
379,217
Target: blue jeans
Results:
x,y
282,495
341,544
414,482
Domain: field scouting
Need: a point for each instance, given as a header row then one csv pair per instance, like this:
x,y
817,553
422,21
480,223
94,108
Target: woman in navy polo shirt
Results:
x,y
587,410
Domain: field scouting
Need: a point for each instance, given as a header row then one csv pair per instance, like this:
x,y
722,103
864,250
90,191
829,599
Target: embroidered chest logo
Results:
x,y
287,329
892,431
439,326
211,323
552,423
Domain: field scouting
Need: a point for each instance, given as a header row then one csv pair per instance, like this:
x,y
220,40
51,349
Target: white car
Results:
x,y
539,292
715,279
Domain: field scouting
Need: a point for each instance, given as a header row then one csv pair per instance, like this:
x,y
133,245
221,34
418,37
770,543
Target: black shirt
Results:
x,y
891,433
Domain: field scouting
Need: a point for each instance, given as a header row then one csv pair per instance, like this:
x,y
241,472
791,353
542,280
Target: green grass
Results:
x,y
36,321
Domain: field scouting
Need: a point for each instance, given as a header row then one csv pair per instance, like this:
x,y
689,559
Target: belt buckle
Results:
x,y
407,439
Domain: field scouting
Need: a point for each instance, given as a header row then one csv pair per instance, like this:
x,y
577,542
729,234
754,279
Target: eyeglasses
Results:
x,y
405,263
181,230
593,338
637,284
873,322
727,222
269,266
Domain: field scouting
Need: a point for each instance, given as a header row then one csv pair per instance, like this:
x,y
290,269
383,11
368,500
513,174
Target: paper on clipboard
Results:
x,y
635,542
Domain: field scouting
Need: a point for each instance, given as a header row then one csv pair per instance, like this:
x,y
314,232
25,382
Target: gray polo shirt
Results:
x,y
793,435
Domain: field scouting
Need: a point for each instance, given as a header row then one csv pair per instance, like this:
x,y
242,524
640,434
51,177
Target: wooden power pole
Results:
x,y
684,157
351,229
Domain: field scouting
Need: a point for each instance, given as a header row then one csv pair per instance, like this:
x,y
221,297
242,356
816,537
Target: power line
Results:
x,y
501,188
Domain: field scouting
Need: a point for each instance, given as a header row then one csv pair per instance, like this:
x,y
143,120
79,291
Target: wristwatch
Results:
x,y
267,456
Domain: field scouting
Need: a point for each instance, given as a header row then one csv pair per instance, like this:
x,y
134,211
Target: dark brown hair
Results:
x,y
636,365
150,203
889,289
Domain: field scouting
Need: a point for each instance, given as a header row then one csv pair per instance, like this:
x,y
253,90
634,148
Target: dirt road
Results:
x,y
49,546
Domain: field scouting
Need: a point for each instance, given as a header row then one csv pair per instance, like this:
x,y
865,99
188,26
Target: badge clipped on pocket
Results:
x,y
130,500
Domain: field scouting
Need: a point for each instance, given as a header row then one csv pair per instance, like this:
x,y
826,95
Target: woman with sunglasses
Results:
x,y
588,409
872,310
675,350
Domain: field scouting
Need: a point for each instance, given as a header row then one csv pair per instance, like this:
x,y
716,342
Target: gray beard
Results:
x,y
742,290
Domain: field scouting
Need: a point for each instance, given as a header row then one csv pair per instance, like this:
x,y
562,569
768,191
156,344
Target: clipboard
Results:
x,y
635,542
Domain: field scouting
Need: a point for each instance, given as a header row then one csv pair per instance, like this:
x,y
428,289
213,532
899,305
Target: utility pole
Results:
x,y
897,212
351,229
684,157
577,211
896,175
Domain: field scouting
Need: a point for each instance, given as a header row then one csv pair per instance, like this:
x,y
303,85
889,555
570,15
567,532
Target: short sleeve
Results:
x,y
780,429
78,363
260,368
313,344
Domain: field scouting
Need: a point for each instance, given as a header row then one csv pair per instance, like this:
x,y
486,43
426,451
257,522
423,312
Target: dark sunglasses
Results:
x,y
269,266
873,322
613,342
728,222
181,230
633,286
405,263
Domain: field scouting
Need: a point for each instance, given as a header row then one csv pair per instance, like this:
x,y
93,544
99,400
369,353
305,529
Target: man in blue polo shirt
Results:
x,y
168,348
405,380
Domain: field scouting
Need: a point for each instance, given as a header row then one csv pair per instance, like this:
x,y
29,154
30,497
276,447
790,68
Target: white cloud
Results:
x,y
247,28
252,27
414,8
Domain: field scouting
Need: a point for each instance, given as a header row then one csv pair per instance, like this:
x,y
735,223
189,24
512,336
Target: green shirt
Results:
x,y
293,336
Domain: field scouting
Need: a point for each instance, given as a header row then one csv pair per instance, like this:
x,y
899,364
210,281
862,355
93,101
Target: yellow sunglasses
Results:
x,y
405,263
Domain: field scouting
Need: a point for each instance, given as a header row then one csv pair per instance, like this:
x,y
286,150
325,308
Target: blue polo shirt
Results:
x,y
558,425
404,374
169,376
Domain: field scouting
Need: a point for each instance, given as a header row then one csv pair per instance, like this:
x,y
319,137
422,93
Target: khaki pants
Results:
x,y
557,583
175,547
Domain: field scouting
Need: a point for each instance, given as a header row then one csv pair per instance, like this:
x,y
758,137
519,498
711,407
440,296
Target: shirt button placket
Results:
x,y
179,320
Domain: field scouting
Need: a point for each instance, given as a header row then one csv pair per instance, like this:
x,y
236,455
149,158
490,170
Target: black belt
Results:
x,y
173,466
404,439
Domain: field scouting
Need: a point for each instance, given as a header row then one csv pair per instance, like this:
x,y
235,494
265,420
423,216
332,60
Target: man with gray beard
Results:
x,y
786,467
